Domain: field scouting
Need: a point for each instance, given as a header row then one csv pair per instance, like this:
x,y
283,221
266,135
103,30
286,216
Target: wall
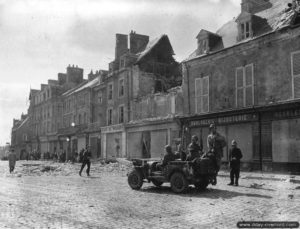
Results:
x,y
271,56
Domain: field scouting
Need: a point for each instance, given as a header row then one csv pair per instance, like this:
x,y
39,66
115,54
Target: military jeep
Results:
x,y
180,174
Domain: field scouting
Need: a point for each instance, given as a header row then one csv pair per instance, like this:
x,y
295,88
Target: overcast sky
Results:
x,y
39,38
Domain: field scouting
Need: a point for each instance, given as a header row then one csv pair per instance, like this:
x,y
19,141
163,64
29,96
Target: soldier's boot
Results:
x,y
236,182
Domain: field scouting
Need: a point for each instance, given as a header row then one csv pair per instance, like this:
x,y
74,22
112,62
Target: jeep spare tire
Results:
x,y
135,180
179,184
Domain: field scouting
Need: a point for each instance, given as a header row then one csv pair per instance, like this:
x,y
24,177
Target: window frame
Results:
x,y
119,113
201,111
108,91
109,122
244,87
121,79
292,73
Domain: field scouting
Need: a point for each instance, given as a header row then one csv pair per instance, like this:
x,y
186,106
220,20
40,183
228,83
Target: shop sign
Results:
x,y
287,113
225,120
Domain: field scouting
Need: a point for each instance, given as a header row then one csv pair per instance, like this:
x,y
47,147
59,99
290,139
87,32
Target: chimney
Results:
x,y
121,45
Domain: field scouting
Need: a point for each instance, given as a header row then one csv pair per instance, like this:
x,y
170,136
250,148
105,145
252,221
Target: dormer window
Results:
x,y
208,41
245,30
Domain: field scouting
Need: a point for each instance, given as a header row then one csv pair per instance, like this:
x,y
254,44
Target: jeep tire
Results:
x,y
179,184
135,179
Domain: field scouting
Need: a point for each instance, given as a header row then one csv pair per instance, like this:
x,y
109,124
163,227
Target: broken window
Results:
x,y
202,94
296,74
244,86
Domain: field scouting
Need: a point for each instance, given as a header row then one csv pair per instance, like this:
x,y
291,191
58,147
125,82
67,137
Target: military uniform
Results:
x,y
235,155
194,151
86,161
215,144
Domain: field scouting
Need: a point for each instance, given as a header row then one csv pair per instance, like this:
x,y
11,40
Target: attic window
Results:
x,y
246,31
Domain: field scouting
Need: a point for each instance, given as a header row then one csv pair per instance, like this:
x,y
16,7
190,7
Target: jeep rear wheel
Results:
x,y
157,183
178,182
135,179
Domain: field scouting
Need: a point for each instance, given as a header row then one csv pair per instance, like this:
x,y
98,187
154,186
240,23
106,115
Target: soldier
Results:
x,y
169,156
86,161
12,157
215,144
194,149
235,155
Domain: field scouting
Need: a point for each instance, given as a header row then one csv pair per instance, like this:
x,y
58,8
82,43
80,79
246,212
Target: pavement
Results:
x,y
53,195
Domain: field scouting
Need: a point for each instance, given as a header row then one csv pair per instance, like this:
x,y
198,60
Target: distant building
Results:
x,y
245,78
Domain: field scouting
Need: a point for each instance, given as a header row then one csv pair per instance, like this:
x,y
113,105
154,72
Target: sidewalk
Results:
x,y
264,176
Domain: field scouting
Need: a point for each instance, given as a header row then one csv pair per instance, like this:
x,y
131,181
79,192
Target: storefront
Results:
x,y
147,139
268,136
113,141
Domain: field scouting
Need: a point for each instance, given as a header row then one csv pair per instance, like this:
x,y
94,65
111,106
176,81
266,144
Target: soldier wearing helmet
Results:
x,y
215,144
235,155
169,156
194,149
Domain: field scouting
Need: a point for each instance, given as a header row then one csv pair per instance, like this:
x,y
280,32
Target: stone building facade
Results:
x,y
244,78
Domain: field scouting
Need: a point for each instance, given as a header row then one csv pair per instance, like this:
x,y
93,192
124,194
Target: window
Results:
x,y
246,31
110,91
85,118
109,116
100,97
202,94
121,114
79,119
121,87
244,86
296,74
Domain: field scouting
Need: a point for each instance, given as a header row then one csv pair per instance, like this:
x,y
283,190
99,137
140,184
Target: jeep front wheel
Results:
x,y
135,180
178,182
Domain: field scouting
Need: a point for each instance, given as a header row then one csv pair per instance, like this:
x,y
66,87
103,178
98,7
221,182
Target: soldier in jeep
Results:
x,y
169,156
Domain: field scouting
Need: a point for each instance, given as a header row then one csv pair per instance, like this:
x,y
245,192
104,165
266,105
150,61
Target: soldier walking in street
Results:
x,y
86,161
215,144
235,155
12,158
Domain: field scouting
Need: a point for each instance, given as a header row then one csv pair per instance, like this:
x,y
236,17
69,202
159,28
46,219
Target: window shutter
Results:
x,y
297,87
240,97
205,103
198,93
239,77
296,64
205,86
249,74
249,96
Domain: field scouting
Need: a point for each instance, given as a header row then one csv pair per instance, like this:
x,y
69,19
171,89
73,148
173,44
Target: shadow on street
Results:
x,y
212,193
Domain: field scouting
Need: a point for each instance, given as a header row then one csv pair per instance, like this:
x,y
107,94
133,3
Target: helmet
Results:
x,y
168,148
233,143
212,126
194,137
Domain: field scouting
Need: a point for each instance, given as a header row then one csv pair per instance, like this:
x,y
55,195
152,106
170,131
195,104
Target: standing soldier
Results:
x,y
86,161
194,149
12,157
215,143
235,155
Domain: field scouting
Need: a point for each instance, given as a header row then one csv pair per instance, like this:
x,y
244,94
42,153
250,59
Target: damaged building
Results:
x,y
245,79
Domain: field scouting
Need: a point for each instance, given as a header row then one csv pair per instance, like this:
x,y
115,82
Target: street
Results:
x,y
66,200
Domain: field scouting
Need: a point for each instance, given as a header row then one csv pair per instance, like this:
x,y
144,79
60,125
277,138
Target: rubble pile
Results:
x,y
39,168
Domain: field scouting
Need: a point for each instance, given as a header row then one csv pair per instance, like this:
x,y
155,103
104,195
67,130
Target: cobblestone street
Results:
x,y
105,201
